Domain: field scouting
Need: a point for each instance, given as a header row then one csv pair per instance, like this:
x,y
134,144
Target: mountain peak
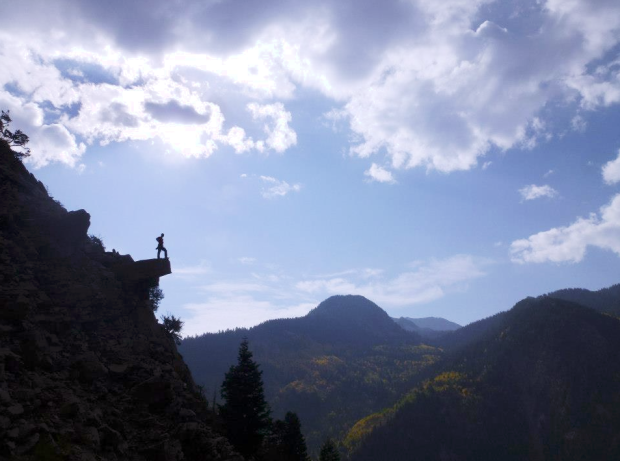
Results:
x,y
355,313
348,307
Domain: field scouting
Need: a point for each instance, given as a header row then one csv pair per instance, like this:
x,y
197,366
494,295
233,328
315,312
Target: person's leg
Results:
x,y
158,252
165,252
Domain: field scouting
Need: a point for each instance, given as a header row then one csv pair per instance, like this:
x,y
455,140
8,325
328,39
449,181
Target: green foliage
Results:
x,y
286,442
541,383
173,326
155,297
96,241
331,372
14,139
245,412
329,451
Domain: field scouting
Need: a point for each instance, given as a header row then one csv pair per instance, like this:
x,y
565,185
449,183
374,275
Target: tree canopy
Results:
x,y
329,451
245,412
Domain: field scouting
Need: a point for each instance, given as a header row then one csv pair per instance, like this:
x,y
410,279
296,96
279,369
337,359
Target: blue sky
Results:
x,y
440,158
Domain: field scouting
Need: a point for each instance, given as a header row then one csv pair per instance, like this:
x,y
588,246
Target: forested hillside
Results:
x,y
606,300
542,382
342,361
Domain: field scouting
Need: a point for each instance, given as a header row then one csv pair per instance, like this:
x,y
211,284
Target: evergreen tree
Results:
x,y
286,442
329,452
245,412
294,442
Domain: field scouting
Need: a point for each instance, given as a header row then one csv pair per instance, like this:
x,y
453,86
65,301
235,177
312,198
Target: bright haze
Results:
x,y
442,159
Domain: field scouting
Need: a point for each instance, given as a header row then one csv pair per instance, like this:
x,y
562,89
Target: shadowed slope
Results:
x,y
86,372
545,386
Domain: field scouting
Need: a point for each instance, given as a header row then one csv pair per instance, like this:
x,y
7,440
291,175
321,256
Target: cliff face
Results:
x,y
86,372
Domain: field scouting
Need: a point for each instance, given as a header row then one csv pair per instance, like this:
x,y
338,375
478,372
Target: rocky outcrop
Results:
x,y
146,271
86,371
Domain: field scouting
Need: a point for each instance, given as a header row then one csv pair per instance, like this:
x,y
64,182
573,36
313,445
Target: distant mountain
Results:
x,y
360,320
428,327
435,323
343,360
542,382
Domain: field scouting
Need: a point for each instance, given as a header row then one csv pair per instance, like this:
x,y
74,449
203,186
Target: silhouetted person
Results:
x,y
160,246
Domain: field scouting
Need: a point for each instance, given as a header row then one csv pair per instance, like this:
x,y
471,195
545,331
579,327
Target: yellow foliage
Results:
x,y
364,427
327,361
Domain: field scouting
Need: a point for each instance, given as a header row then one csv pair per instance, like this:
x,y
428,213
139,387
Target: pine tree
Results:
x,y
329,451
293,438
245,412
286,442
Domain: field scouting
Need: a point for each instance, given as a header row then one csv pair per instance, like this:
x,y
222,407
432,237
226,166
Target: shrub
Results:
x,y
15,139
173,327
96,240
155,297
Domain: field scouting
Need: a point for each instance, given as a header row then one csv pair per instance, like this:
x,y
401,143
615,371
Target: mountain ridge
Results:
x,y
543,386
435,323
343,359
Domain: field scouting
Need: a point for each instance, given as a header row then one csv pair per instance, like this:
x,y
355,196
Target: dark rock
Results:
x,y
70,228
111,437
155,392
90,435
184,413
118,368
28,445
86,371
166,450
4,396
90,367
71,409
146,271
15,410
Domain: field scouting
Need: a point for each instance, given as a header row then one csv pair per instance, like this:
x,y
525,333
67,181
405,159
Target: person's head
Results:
x,y
162,234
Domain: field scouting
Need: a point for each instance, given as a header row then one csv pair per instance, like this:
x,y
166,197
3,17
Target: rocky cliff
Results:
x,y
86,371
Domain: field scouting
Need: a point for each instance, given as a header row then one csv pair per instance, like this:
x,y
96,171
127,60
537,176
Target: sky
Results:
x,y
442,159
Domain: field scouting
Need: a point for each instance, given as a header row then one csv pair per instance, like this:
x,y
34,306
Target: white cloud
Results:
x,y
216,313
611,171
280,135
427,282
230,303
236,287
379,174
193,271
141,99
423,83
246,260
48,142
579,124
569,243
482,88
277,188
532,192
